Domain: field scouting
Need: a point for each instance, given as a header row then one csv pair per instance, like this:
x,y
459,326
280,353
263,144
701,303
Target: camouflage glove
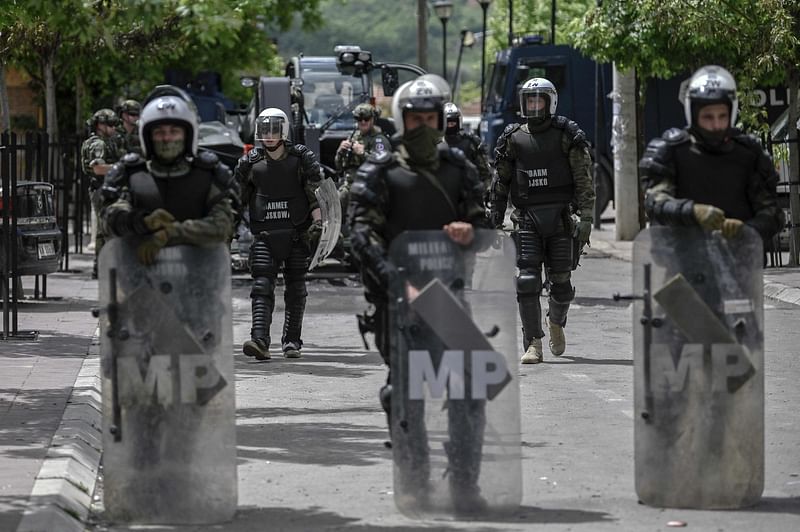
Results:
x,y
708,216
158,219
731,227
313,234
582,231
149,248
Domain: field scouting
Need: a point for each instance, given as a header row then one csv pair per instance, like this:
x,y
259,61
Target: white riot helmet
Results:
x,y
452,114
272,123
421,96
538,87
440,83
168,105
708,85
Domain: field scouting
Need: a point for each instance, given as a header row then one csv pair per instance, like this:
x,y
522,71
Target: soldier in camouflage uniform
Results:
x,y
98,153
709,173
546,167
353,151
170,193
468,142
128,129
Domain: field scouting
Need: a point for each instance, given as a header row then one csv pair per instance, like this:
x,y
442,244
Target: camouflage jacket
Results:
x,y
347,161
369,213
659,172
97,150
573,144
121,216
475,150
127,142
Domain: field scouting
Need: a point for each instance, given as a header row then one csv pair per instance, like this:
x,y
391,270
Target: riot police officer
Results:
x,y
423,185
278,181
128,128
98,153
545,166
710,173
457,137
170,194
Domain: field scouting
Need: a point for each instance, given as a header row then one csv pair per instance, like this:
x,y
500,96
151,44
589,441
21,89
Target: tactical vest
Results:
x,y
718,179
541,169
184,197
463,143
279,202
417,204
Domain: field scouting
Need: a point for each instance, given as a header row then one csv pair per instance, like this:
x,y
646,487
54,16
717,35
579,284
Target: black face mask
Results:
x,y
711,139
420,143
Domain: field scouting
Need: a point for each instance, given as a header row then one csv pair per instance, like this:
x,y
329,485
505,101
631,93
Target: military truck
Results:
x,y
318,93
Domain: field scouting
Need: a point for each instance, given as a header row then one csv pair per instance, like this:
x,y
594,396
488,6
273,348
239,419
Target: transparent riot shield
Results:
x,y
698,366
455,421
169,441
331,210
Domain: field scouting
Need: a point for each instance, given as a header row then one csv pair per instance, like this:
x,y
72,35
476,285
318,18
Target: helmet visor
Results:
x,y
269,128
535,104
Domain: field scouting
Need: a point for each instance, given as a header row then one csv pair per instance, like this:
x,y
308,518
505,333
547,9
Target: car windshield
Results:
x,y
327,92
33,201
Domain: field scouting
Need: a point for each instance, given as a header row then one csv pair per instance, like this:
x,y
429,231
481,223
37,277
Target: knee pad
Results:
x,y
561,289
263,286
529,284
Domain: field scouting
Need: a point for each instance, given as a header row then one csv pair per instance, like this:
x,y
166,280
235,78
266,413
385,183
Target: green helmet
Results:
x,y
104,116
364,110
132,107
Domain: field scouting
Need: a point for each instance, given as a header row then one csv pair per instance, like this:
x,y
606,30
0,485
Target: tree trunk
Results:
x,y
794,167
50,98
623,141
5,107
80,94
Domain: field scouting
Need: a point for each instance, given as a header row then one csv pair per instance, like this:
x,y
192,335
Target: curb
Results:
x,y
62,492
782,292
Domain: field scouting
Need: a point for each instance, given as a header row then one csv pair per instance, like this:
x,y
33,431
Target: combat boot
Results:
x,y
256,348
533,355
291,349
558,342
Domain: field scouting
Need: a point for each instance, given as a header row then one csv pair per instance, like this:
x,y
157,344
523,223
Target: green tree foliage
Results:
x,y
757,40
120,48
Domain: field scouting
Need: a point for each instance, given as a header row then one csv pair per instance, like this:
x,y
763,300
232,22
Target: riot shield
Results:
x,y
698,368
331,208
169,441
454,419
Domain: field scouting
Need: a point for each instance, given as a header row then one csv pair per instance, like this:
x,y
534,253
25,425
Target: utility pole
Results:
x,y
422,34
626,173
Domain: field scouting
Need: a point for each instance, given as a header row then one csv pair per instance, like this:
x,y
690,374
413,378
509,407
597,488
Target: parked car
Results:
x,y
39,237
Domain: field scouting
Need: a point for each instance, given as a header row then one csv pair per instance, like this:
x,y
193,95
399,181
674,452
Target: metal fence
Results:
x,y
788,184
32,157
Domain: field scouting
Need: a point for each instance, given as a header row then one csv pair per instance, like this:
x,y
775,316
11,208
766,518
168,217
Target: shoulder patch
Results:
x,y
132,159
675,135
254,155
298,149
379,157
510,128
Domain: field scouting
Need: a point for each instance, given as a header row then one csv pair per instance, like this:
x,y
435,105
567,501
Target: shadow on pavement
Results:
x,y
29,421
327,444
592,361
777,505
599,302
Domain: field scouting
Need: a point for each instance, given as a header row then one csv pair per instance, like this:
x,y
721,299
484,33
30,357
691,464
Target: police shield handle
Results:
x,y
437,306
691,314
112,311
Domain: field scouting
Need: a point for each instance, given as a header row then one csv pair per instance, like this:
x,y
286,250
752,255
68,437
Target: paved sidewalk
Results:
x,y
782,283
50,402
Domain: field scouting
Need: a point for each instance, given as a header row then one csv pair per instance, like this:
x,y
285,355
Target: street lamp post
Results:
x,y
444,10
467,40
484,6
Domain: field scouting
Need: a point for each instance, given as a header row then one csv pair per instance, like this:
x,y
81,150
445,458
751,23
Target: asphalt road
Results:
x,y
311,434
